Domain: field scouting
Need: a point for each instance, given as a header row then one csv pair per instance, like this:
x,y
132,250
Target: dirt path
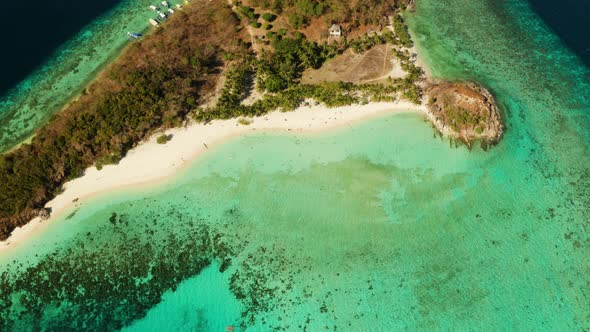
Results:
x,y
250,32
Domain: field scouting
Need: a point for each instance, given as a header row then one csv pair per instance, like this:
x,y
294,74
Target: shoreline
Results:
x,y
153,163
189,142
74,95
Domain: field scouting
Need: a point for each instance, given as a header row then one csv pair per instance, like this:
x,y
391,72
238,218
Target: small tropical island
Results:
x,y
306,165
465,111
217,60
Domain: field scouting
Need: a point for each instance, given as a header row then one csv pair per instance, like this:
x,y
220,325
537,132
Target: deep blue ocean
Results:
x,y
570,19
36,28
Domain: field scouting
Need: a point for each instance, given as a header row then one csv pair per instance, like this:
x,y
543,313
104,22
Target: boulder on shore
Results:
x,y
44,213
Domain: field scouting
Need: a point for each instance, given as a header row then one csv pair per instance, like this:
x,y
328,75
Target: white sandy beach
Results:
x,y
151,162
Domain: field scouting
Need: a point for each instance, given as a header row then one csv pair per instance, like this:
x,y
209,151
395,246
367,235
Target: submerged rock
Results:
x,y
465,111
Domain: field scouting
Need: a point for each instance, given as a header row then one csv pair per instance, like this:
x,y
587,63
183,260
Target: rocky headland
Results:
x,y
465,111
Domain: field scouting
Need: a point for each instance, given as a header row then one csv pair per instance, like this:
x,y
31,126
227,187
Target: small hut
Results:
x,y
335,30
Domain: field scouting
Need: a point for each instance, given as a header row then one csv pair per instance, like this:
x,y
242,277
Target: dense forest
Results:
x,y
170,74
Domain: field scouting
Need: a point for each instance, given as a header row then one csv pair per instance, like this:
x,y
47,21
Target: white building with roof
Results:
x,y
335,30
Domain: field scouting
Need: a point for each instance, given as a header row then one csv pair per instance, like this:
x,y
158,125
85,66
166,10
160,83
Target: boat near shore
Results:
x,y
134,35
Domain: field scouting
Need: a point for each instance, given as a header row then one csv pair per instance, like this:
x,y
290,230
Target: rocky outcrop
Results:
x,y
44,213
465,111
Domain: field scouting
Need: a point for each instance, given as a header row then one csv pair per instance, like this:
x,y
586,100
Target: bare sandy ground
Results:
x,y
150,162
373,66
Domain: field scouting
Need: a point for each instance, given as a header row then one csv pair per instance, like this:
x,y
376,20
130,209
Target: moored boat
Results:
x,y
135,35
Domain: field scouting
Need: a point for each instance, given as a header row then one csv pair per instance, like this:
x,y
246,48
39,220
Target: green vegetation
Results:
x,y
459,118
366,42
332,94
237,83
297,21
109,159
269,17
245,121
309,8
354,12
283,68
401,29
248,12
278,75
163,139
256,25
468,109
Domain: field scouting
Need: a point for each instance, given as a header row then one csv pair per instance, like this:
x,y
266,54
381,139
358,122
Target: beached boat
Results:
x,y
135,35
153,22
171,11
179,6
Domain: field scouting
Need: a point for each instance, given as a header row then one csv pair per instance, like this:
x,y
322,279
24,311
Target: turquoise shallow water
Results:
x,y
193,307
34,100
382,226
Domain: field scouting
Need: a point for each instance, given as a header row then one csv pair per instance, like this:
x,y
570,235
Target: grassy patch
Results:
x,y
163,139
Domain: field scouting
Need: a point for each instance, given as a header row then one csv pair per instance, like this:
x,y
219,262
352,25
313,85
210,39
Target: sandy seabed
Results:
x,y
151,162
